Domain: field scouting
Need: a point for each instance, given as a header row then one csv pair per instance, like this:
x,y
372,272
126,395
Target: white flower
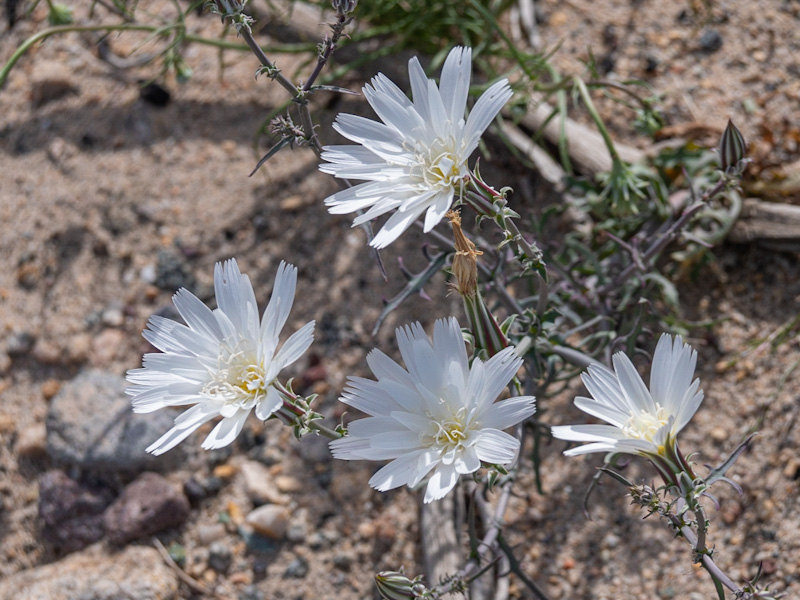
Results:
x,y
223,361
438,417
641,421
416,160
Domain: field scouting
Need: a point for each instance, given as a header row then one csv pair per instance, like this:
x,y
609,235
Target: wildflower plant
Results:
x,y
416,160
226,362
437,418
538,310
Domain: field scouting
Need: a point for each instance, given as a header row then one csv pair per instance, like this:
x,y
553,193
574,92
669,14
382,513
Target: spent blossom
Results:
x,y
642,421
224,361
416,160
438,416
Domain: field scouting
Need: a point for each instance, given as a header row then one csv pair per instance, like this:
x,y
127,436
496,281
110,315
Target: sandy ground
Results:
x,y
97,183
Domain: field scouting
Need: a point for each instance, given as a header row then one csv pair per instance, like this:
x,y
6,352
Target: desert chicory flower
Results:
x,y
416,160
641,422
439,417
224,361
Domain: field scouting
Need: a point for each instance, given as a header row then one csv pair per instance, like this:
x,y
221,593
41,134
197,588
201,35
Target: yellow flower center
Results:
x,y
240,379
447,433
645,425
441,164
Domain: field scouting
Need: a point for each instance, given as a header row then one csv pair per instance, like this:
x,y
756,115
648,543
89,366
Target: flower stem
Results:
x,y
46,33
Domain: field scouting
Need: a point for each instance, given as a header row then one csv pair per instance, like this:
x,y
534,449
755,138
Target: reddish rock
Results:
x,y
146,506
71,513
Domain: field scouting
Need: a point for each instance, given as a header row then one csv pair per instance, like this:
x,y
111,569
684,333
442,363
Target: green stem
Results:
x,y
46,33
587,100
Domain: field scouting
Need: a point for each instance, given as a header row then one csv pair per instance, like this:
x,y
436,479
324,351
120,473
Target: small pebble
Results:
x,y
719,434
207,534
342,561
269,520
47,353
194,491
298,568
287,484
710,41
113,316
50,388
250,592
259,485
7,423
19,344
5,363
220,557
32,440
225,471
106,346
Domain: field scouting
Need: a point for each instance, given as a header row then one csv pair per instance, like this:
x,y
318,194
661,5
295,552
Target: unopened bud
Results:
x,y
732,150
344,7
60,14
394,585
465,261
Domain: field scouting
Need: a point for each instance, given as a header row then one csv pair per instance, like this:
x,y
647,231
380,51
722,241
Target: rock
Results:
x,y
194,491
171,273
32,440
146,506
287,483
342,561
710,41
50,388
258,484
90,424
5,363
298,568
19,344
269,520
106,347
7,423
250,592
135,573
206,534
113,316
220,557
51,81
71,513
47,353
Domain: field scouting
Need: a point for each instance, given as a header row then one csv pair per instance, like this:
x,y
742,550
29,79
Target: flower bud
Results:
x,y
394,585
732,150
344,7
60,14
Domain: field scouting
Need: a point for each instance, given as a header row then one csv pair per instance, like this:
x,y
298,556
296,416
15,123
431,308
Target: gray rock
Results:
x,y
135,573
172,273
20,343
710,41
71,513
208,533
297,569
220,557
250,592
146,506
90,424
